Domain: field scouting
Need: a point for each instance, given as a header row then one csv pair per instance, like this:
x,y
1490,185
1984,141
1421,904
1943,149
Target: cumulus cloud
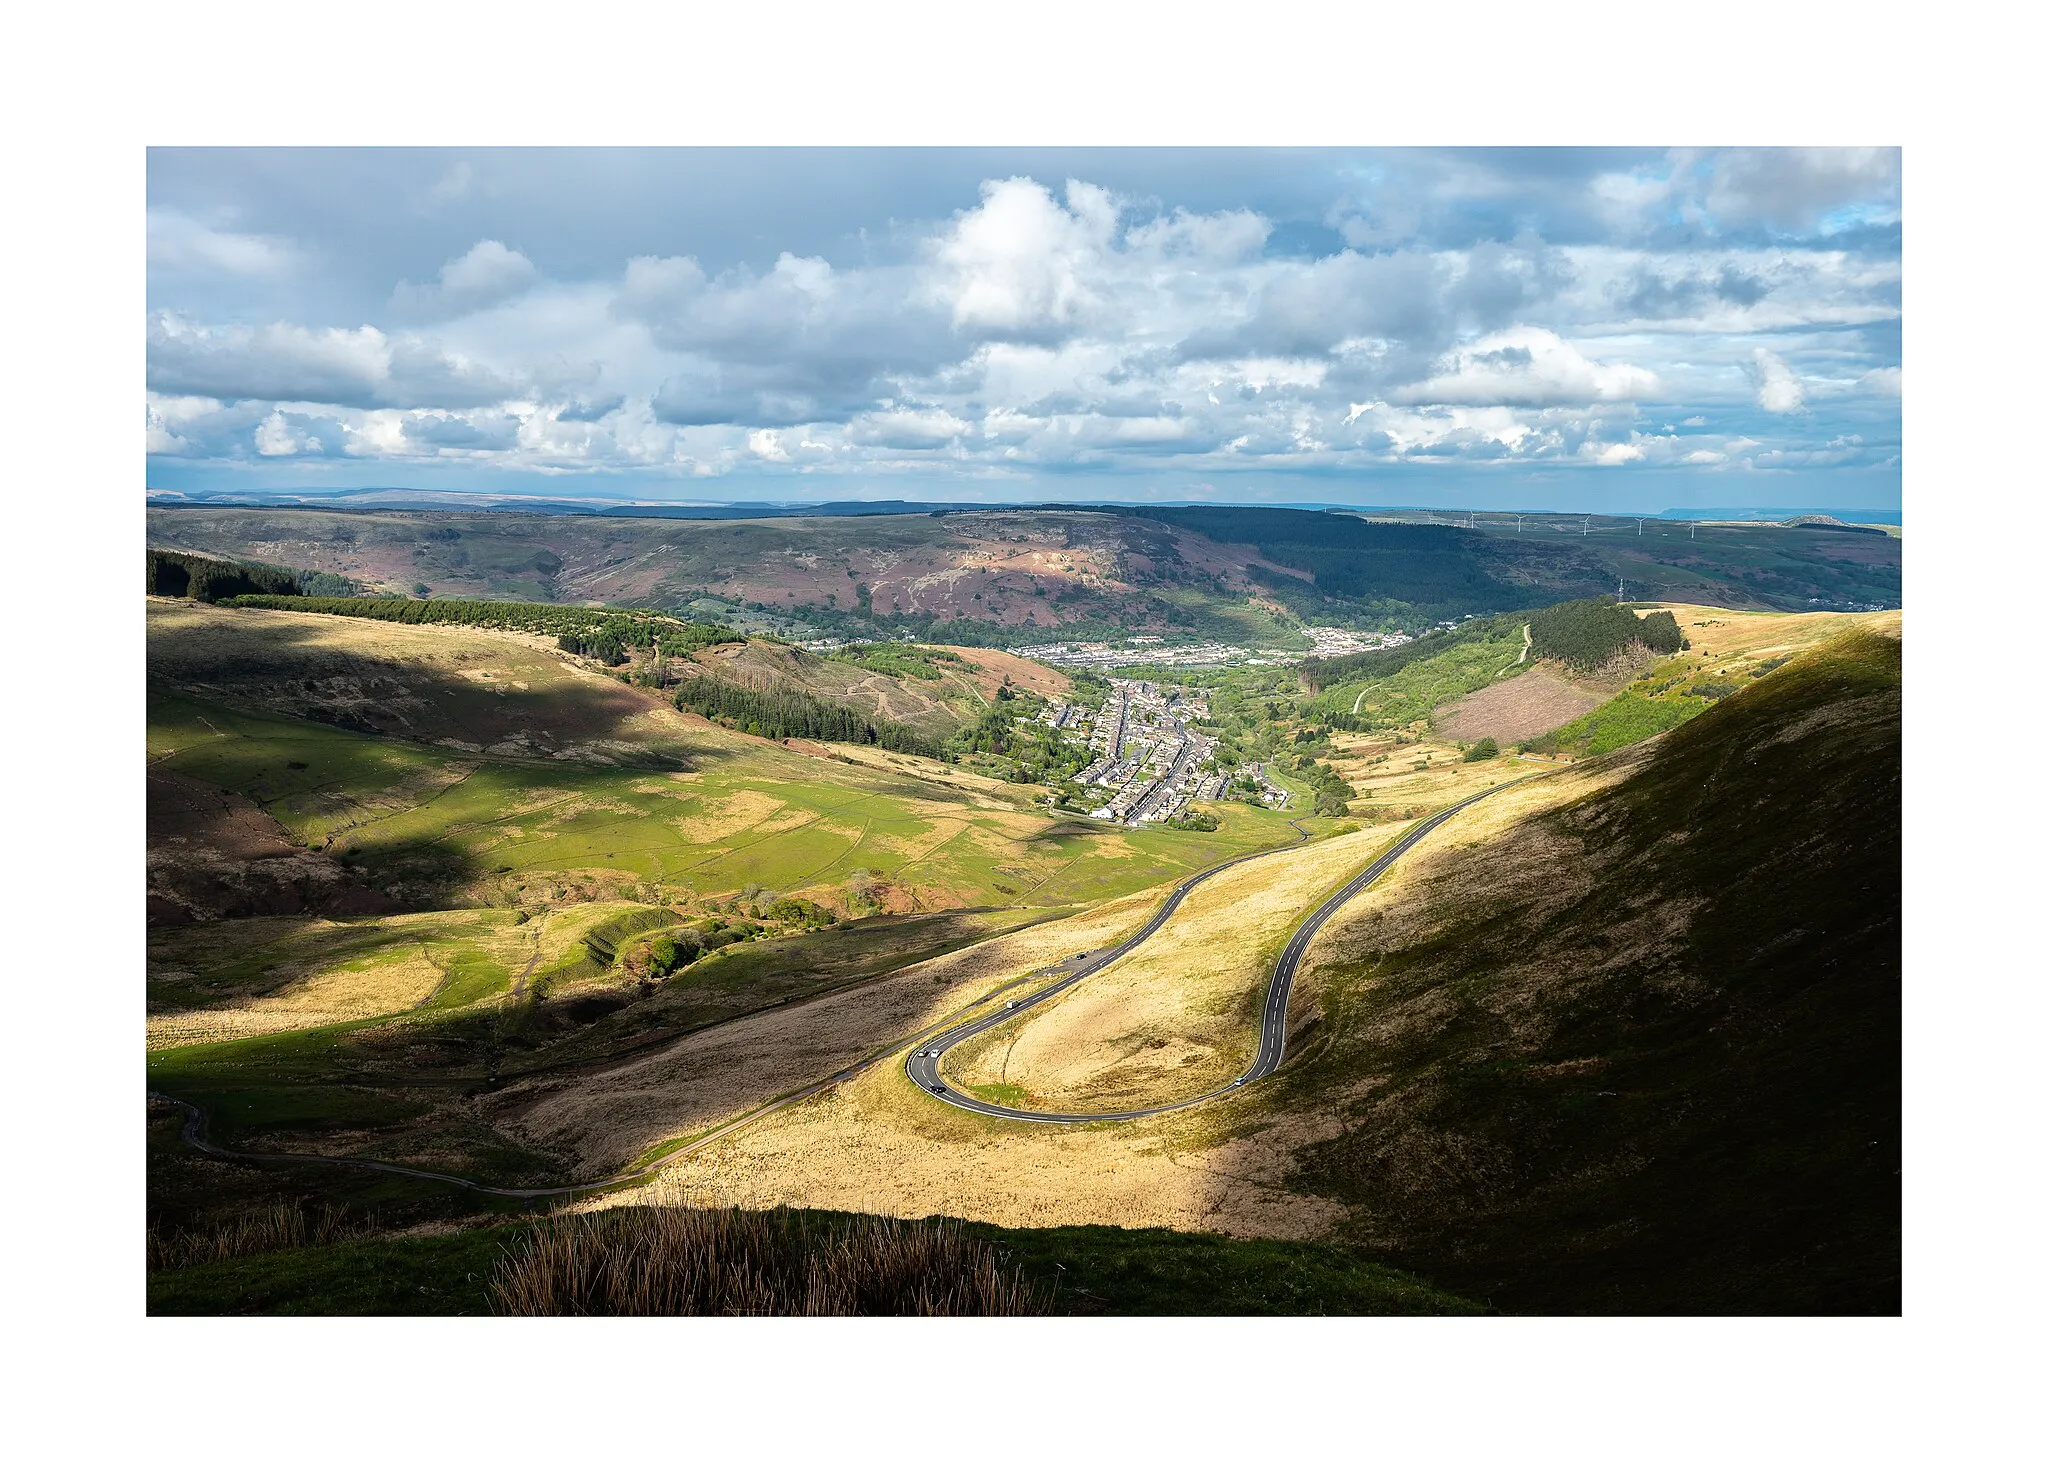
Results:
x,y
1443,307
362,367
1019,265
1778,389
1527,367
1796,187
489,274
488,431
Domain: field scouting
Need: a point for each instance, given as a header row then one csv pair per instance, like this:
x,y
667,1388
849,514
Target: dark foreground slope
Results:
x,y
1642,1053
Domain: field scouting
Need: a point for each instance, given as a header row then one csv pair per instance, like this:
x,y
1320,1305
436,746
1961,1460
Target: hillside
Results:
x,y
1623,1039
392,864
937,693
1003,577
1641,1053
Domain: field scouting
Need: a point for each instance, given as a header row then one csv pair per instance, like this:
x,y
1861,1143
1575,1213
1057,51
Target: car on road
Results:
x,y
939,1088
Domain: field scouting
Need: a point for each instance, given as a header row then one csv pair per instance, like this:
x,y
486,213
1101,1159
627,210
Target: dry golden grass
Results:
x,y
608,1118
645,1261
1397,910
877,1145
1180,1014
1388,783
1761,635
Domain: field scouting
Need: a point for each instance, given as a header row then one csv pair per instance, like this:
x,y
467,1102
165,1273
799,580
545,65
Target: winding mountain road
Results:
x,y
928,1046
923,1062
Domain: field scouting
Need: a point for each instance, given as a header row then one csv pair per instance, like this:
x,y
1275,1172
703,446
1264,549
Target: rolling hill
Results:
x,y
1006,577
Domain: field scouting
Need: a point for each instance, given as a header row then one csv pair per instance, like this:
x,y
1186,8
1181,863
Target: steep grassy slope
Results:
x,y
1642,1053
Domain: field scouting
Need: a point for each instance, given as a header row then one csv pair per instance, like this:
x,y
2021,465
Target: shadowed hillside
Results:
x,y
1642,1053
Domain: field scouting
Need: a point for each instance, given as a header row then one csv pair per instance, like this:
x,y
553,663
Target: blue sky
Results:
x,y
1572,328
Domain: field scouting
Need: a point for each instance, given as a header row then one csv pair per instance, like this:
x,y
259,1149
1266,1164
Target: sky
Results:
x,y
1605,329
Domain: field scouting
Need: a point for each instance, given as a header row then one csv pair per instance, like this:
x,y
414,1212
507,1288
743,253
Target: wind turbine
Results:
x,y
1587,526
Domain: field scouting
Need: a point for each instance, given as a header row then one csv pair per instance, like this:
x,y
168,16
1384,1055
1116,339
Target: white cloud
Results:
x,y
182,243
280,362
1527,366
1795,187
1064,326
1778,388
908,429
1019,263
489,274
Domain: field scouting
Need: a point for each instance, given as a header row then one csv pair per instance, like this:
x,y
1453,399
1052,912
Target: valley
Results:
x,y
656,909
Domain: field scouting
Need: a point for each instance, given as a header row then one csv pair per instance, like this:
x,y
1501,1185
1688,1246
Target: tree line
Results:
x,y
783,713
606,632
193,576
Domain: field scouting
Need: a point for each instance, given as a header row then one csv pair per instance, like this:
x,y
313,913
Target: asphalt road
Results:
x,y
925,1048
923,1062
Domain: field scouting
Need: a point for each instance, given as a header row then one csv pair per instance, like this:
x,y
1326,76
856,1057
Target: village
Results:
x,y
1150,758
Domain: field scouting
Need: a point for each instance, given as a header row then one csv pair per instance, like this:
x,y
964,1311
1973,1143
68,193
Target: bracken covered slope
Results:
x,y
1641,1054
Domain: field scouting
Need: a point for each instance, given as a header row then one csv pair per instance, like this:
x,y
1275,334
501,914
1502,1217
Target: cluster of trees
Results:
x,y
1588,633
790,713
1196,820
1319,672
919,662
615,629
1008,729
1482,749
1332,793
191,576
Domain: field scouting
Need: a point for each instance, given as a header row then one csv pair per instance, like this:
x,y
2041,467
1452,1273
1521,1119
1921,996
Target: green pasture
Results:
x,y
775,820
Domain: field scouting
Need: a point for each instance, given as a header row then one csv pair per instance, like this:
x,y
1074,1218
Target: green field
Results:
x,y
439,825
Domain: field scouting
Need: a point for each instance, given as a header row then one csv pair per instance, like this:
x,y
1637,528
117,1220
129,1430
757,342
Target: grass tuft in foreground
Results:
x,y
738,1262
280,1226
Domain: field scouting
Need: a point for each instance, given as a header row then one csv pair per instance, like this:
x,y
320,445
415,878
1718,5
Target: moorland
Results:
x,y
564,880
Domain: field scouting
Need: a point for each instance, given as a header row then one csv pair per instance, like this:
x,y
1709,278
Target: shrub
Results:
x,y
1482,749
